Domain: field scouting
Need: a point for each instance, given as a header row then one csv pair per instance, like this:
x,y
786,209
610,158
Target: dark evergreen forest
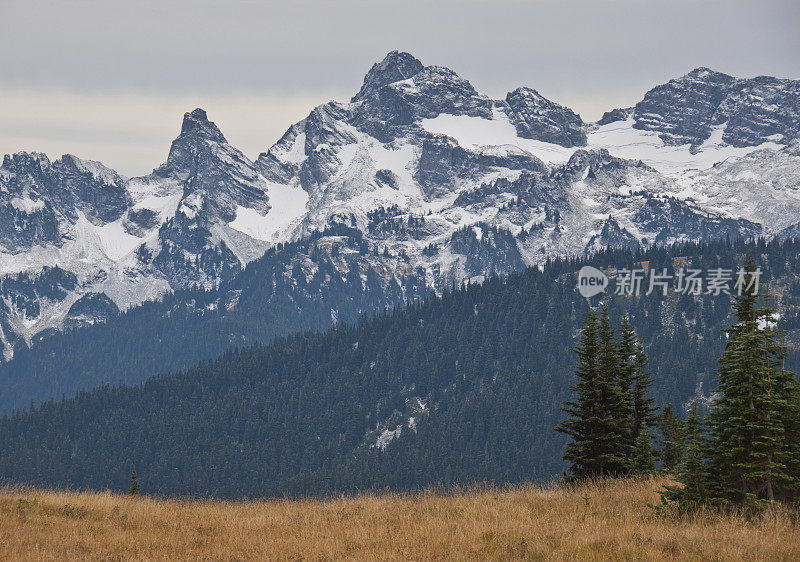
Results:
x,y
275,295
474,379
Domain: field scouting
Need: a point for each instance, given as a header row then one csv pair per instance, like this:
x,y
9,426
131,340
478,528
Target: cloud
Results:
x,y
130,69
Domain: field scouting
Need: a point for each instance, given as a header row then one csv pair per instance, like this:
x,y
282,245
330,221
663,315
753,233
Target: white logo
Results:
x,y
591,281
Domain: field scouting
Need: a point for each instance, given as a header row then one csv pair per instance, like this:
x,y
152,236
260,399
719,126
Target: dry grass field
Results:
x,y
604,520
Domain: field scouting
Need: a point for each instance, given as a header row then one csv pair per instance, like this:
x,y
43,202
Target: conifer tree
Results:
x,y
692,472
752,454
777,400
614,419
599,421
636,382
626,374
582,424
774,396
732,419
673,432
643,458
134,489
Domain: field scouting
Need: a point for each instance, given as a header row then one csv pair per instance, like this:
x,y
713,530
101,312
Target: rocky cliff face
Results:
x,y
40,199
441,181
538,118
217,176
749,112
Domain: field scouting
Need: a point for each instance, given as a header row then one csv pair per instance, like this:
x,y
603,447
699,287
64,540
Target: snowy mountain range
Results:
x,y
440,179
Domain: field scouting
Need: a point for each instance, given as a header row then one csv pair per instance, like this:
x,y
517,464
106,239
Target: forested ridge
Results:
x,y
292,287
474,379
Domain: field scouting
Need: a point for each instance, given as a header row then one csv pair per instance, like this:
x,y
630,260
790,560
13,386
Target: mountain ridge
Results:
x,y
419,138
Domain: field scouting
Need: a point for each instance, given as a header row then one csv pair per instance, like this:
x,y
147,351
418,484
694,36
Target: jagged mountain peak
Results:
x,y
528,92
705,73
536,117
37,162
400,89
66,180
98,170
196,122
395,66
24,160
394,107
198,141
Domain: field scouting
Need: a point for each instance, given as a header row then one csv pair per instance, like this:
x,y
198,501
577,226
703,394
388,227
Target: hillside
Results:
x,y
462,388
326,278
607,520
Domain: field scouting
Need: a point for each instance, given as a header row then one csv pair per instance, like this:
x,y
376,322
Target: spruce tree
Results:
x,y
134,489
776,401
732,418
626,374
643,458
673,433
752,453
635,382
599,422
692,473
583,421
614,419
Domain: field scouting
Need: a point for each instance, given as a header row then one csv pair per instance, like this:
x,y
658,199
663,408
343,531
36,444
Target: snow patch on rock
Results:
x,y
288,204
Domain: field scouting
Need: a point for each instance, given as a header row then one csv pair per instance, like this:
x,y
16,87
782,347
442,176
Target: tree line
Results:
x,y
744,452
483,370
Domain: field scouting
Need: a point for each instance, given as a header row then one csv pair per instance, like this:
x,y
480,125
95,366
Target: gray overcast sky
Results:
x,y
109,80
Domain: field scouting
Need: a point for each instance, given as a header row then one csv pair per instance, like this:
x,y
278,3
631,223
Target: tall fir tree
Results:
x,y
636,383
601,417
582,452
752,454
777,397
615,422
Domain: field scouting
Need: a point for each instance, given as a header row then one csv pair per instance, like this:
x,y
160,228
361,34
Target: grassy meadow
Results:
x,y
594,521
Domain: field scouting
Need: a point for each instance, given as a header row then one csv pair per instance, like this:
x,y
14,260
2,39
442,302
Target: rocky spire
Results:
x,y
196,133
196,123
394,67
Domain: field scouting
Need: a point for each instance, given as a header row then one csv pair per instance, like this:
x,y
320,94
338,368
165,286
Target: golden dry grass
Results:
x,y
602,520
